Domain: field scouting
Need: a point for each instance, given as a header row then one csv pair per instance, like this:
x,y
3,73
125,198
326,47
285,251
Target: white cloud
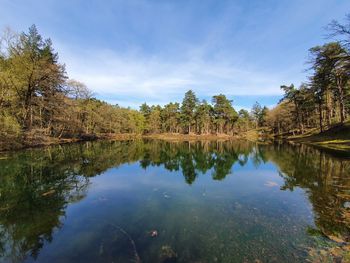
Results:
x,y
134,78
236,48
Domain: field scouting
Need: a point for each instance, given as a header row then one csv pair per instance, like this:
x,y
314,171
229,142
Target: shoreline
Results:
x,y
334,145
326,140
189,137
335,138
46,141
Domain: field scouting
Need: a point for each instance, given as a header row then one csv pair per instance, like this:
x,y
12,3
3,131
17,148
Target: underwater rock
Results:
x,y
153,233
167,255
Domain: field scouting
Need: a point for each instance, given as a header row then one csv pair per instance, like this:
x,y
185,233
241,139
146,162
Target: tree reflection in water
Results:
x,y
326,180
36,186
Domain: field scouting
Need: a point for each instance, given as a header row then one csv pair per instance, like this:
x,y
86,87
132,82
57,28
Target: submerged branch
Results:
x,y
137,257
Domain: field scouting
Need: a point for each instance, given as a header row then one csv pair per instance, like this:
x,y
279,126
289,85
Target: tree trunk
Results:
x,y
321,119
328,109
341,100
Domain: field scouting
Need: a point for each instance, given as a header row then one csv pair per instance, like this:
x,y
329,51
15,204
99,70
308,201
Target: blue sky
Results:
x,y
133,51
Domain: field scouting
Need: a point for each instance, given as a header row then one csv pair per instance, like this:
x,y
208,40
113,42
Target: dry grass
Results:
x,y
188,137
39,139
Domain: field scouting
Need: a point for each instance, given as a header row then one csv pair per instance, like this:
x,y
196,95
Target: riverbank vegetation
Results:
x,y
40,105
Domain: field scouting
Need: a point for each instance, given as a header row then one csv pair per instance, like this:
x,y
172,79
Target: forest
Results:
x,y
39,102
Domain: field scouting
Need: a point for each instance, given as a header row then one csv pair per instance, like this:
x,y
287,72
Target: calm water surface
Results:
x,y
201,201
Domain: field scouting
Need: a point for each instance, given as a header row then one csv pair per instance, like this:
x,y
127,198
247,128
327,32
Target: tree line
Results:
x,y
324,99
194,116
37,99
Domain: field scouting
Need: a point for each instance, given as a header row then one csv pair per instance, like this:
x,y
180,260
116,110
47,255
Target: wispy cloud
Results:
x,y
132,77
133,51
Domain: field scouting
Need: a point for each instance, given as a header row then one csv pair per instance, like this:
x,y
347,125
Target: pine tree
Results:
x,y
189,104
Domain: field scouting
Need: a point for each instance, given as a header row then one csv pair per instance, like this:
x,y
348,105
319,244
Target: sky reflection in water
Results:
x,y
208,201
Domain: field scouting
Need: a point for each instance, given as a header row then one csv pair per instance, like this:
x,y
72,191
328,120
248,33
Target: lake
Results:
x,y
157,201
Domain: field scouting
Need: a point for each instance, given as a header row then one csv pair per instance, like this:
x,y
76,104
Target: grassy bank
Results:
x,y
335,138
36,139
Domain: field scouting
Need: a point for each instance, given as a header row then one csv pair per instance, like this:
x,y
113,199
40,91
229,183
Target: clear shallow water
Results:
x,y
208,201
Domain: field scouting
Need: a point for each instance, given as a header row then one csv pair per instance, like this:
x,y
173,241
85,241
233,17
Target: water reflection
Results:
x,y
194,158
36,186
326,180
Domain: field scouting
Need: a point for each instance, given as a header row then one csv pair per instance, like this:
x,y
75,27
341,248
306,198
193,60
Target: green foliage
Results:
x,y
203,117
259,114
170,116
244,121
145,110
224,114
38,98
189,104
324,101
9,127
154,120
34,74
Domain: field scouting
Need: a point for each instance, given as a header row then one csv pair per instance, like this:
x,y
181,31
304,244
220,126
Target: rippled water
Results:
x,y
156,201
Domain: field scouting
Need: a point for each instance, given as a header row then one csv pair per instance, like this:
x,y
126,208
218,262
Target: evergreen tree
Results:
x,y
224,114
203,117
189,104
